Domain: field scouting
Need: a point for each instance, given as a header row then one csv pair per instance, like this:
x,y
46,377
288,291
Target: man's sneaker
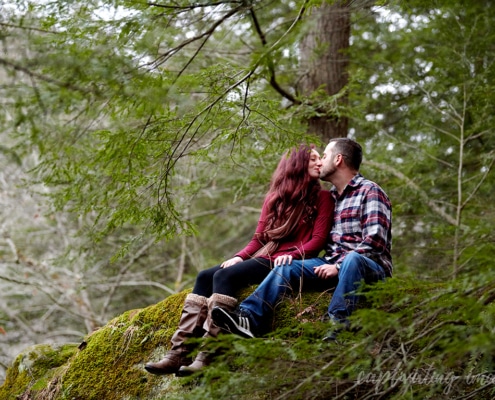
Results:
x,y
236,323
336,327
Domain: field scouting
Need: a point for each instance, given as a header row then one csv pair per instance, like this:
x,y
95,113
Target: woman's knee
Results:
x,y
282,275
224,277
202,275
205,277
224,282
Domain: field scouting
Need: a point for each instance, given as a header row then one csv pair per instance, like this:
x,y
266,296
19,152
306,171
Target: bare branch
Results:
x,y
416,188
45,78
478,185
115,285
193,6
273,80
205,35
27,28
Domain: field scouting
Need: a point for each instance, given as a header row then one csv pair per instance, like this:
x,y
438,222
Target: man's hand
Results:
x,y
326,271
232,261
282,260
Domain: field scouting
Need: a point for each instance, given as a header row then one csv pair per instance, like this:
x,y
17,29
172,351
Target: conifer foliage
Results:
x,y
138,139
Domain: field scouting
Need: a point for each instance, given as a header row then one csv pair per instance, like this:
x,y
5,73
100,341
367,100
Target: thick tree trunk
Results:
x,y
324,63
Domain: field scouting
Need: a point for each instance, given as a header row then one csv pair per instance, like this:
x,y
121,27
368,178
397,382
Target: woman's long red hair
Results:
x,y
290,186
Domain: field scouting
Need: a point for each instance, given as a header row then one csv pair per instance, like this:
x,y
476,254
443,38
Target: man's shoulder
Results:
x,y
367,188
360,180
368,184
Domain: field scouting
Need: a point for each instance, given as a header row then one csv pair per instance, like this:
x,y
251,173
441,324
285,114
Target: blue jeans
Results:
x,y
300,273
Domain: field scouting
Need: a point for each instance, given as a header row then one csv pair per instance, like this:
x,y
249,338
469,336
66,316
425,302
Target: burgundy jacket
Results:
x,y
309,238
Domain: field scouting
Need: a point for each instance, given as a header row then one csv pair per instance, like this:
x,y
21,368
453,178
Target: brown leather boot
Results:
x,y
204,358
194,314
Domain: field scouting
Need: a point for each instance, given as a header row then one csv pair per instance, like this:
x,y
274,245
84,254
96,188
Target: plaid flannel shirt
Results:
x,y
362,223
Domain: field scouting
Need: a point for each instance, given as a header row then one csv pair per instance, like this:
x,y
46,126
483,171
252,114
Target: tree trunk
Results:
x,y
324,63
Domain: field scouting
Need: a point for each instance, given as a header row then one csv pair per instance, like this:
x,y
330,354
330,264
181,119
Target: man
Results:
x,y
358,249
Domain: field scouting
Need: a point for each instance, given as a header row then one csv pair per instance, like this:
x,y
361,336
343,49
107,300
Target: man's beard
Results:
x,y
326,174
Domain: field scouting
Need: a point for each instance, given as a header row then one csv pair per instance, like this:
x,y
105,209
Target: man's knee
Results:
x,y
362,266
354,258
353,262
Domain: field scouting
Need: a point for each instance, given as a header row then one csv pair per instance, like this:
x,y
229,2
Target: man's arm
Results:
x,y
376,221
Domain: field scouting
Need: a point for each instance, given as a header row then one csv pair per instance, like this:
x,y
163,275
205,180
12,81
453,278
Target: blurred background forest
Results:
x,y
138,139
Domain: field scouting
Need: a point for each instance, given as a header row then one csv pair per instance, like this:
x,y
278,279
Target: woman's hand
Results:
x,y
232,261
283,260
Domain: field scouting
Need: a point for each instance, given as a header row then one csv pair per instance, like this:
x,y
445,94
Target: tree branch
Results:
x,y
273,80
415,187
206,35
193,6
47,79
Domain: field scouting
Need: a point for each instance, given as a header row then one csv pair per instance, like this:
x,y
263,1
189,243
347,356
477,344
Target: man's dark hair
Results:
x,y
350,150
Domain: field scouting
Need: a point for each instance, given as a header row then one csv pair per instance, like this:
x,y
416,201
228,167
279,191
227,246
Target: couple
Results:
x,y
358,249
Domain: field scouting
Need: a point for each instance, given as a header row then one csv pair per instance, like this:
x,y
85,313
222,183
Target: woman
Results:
x,y
294,224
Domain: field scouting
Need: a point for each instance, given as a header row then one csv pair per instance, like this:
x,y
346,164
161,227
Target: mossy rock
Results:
x,y
36,372
109,363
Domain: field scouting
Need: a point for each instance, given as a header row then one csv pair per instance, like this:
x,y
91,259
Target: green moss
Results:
x,y
110,363
294,310
15,383
34,369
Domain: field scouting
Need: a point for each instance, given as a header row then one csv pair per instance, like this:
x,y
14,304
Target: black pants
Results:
x,y
230,280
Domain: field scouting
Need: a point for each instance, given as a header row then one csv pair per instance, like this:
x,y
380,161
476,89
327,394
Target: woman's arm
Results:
x,y
320,233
